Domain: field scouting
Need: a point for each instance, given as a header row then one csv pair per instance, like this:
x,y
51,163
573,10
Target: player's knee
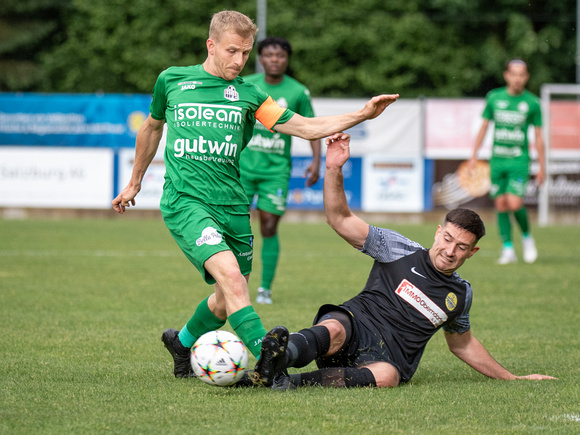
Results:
x,y
268,224
268,229
337,335
232,285
385,374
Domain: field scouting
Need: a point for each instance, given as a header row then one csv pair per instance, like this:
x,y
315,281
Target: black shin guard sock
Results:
x,y
307,345
338,377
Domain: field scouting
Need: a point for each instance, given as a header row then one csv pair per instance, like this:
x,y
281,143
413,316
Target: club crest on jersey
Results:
x,y
451,301
231,94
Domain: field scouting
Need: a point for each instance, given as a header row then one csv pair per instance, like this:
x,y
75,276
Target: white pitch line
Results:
x,y
97,253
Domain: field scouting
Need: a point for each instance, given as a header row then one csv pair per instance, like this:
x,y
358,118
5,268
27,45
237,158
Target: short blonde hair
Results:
x,y
232,21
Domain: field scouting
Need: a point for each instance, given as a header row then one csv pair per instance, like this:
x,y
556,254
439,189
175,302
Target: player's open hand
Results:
x,y
125,199
338,149
376,105
537,377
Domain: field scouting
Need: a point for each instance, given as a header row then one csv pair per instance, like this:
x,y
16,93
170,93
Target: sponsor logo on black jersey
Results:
x,y
419,300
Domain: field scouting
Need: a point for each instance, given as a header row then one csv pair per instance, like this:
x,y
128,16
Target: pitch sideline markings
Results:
x,y
97,253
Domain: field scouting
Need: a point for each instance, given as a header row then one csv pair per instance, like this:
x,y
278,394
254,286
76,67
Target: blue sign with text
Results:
x,y
110,120
310,198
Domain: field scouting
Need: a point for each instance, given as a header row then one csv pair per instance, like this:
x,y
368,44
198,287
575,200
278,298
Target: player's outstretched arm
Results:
x,y
540,148
146,146
338,214
322,126
478,141
468,349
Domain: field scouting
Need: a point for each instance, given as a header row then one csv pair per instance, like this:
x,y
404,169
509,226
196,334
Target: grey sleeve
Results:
x,y
386,245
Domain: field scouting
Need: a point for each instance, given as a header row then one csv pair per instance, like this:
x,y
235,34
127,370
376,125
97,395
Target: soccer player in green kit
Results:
x,y
513,109
210,113
266,163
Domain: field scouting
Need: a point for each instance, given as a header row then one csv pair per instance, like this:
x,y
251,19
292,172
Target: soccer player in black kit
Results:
x,y
378,337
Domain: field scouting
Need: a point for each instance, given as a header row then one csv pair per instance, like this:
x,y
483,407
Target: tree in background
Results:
x,y
28,28
123,45
447,48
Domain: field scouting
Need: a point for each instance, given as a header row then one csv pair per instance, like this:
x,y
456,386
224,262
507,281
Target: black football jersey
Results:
x,y
406,300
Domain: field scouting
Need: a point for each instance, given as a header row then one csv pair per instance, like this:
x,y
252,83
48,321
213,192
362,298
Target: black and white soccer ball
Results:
x,y
219,358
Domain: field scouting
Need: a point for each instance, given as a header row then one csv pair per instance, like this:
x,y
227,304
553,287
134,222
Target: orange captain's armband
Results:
x,y
269,112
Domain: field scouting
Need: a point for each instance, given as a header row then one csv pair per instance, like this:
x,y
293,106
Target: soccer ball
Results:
x,y
219,358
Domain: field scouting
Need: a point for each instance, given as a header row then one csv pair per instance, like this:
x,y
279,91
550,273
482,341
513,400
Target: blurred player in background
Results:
x,y
512,109
266,163
378,337
210,114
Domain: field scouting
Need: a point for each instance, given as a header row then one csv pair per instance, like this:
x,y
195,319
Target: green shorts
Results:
x,y
509,176
272,193
202,230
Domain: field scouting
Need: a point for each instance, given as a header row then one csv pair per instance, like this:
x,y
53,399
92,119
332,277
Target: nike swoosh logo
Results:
x,y
417,273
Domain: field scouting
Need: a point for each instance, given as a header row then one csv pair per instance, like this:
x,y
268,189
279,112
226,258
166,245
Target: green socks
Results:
x,y
270,254
245,322
522,219
202,321
505,227
248,326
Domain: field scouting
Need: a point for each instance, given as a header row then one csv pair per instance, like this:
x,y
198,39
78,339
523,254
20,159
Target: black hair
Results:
x,y
274,40
468,220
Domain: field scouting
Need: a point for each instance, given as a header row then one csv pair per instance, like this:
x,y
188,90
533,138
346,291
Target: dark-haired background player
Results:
x,y
266,163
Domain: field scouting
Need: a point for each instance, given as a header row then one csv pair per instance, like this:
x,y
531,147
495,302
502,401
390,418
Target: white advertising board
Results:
x,y
397,131
152,186
452,126
56,177
392,184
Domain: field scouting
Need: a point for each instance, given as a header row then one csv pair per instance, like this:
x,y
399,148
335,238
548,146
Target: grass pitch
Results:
x,y
83,304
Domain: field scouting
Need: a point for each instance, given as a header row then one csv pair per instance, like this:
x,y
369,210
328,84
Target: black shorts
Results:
x,y
365,346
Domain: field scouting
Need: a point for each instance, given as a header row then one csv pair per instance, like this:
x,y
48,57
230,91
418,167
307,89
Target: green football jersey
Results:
x,y
512,115
209,122
269,153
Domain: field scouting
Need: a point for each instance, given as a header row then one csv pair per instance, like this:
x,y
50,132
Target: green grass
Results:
x,y
83,304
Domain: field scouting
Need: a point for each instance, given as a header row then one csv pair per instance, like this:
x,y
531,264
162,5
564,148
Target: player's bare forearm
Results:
x,y
338,214
316,146
312,173
468,349
146,146
479,138
322,126
540,148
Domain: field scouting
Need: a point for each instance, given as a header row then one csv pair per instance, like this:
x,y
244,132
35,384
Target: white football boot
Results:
x,y
508,255
264,296
530,251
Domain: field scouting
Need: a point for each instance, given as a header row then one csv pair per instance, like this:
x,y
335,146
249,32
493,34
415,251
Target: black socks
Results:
x,y
307,345
338,377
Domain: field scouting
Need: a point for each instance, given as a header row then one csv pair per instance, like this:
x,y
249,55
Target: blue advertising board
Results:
x,y
110,120
301,197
